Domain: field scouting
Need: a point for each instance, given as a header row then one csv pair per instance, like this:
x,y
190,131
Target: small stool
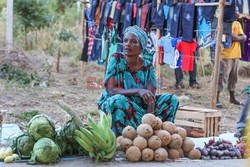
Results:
x,y
206,119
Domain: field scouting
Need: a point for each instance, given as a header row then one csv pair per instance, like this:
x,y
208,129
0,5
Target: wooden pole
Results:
x,y
217,55
9,25
107,49
83,22
157,58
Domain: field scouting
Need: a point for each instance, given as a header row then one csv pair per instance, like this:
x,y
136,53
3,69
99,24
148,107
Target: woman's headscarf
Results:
x,y
141,36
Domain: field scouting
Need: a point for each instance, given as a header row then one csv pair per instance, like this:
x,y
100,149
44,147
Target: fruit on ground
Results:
x,y
129,132
133,154
158,124
188,144
173,154
145,130
176,141
140,142
182,132
165,137
149,119
161,154
169,126
126,143
194,154
154,142
147,154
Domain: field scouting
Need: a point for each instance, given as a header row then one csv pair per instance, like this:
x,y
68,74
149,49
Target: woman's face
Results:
x,y
131,45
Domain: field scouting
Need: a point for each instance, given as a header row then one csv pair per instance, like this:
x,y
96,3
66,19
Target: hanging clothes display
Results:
x,y
246,48
188,49
168,50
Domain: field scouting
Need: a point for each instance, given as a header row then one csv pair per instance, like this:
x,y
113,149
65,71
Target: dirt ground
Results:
x,y
71,87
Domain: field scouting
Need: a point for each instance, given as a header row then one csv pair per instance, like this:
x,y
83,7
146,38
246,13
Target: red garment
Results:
x,y
134,10
188,49
144,15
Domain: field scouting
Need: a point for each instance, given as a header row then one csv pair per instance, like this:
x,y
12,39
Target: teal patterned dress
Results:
x,y
128,110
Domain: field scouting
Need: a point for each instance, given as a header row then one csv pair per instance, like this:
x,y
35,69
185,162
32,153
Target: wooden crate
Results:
x,y
206,119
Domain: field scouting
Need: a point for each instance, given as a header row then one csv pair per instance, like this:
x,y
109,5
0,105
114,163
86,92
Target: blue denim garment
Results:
x,y
118,11
228,42
170,2
188,22
227,26
148,23
208,11
93,6
138,3
138,17
128,15
240,5
170,17
229,11
242,121
158,18
97,48
106,12
176,21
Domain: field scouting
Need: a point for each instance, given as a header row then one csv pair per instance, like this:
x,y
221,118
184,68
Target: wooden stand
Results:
x,y
207,120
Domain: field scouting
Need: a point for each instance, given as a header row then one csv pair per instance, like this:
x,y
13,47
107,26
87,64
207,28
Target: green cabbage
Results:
x,y
24,146
45,151
41,126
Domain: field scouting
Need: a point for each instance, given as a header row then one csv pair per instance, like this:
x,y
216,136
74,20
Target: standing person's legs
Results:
x,y
242,122
223,77
192,77
178,77
232,80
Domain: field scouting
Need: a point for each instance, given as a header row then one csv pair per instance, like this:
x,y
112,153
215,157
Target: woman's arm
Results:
x,y
239,38
151,104
113,89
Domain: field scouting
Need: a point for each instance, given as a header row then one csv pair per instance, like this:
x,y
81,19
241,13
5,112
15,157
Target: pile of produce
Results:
x,y
220,150
98,138
6,154
43,144
156,140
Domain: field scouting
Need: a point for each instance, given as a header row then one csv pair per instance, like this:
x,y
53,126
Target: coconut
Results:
x,y
181,153
149,119
119,139
182,132
140,142
176,141
161,154
173,154
133,154
194,154
126,143
188,144
129,132
154,142
169,126
165,137
158,124
145,130
147,154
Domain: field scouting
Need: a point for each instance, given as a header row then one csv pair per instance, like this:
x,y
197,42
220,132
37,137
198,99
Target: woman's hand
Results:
x,y
147,96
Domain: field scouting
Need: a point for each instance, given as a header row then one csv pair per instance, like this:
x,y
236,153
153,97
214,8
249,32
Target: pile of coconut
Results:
x,y
156,140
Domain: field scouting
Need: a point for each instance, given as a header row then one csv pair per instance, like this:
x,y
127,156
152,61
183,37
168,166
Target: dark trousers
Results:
x,y
192,75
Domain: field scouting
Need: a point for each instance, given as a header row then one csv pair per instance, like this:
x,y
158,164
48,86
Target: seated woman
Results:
x,y
130,86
